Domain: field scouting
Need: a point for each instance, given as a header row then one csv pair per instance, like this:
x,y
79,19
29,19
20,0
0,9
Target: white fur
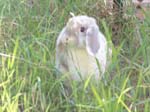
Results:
x,y
76,51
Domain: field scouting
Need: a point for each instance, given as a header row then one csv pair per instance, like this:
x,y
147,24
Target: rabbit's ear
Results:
x,y
62,37
92,40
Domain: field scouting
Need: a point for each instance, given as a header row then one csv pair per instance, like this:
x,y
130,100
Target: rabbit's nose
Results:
x,y
82,29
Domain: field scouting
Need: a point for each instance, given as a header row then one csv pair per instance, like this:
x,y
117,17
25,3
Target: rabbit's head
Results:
x,y
83,32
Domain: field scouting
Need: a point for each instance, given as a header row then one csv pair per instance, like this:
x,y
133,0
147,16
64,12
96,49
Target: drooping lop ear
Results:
x,y
92,40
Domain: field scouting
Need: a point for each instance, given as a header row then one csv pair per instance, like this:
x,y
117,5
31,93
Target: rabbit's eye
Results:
x,y
82,29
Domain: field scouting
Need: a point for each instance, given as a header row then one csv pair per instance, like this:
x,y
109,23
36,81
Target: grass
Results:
x,y
28,31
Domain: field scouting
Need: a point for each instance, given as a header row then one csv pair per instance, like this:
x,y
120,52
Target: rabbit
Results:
x,y
81,49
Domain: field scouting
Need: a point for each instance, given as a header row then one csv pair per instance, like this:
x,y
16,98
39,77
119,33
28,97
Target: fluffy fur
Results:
x,y
81,49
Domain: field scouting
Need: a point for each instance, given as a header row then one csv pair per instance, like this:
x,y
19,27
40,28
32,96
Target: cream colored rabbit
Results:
x,y
81,49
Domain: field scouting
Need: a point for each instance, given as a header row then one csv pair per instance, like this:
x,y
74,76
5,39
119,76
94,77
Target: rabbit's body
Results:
x,y
80,63
81,49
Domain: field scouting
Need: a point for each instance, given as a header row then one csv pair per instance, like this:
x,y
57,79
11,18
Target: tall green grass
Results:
x,y
28,78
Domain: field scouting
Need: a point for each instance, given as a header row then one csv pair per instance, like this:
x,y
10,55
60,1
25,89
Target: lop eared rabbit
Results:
x,y
81,49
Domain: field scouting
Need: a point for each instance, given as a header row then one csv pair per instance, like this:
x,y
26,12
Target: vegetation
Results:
x,y
28,78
